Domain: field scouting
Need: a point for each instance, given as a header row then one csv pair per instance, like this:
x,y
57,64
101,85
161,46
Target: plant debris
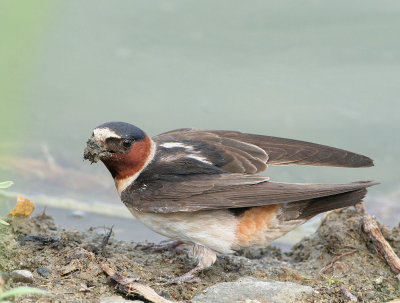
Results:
x,y
24,207
371,227
337,260
131,287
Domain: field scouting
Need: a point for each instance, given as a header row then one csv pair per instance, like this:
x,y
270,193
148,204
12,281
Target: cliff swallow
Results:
x,y
200,186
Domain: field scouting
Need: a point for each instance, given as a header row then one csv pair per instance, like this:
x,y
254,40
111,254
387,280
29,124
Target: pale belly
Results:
x,y
215,229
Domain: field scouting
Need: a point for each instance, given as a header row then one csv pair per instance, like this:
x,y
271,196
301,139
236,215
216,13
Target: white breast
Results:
x,y
214,229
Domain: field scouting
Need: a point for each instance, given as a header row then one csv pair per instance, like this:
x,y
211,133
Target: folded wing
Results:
x,y
225,191
238,152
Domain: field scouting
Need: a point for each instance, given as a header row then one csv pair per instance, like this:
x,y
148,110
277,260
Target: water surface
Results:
x,y
315,71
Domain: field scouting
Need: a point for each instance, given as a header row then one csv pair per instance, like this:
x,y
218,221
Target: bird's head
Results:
x,y
122,147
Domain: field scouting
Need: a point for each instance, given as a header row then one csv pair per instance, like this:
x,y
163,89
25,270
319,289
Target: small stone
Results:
x,y
73,266
165,294
252,289
117,299
24,276
43,271
379,280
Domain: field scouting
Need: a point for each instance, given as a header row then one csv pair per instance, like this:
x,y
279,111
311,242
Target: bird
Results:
x,y
202,187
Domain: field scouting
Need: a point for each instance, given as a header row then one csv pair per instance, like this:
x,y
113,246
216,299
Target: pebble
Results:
x,y
117,299
248,289
164,294
22,275
43,271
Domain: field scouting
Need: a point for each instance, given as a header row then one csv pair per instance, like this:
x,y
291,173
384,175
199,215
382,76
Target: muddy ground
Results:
x,y
338,254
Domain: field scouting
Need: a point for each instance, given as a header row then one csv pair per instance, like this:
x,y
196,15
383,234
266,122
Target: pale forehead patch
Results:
x,y
103,133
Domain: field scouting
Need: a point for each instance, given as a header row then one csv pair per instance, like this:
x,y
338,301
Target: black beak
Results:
x,y
94,151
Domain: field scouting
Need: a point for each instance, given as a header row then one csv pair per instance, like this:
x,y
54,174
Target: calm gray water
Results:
x,y
326,72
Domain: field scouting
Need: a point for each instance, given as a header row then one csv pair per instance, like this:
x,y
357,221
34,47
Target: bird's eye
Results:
x,y
127,142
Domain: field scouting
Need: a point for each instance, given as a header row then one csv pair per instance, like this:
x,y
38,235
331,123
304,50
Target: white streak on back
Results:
x,y
176,144
199,158
194,153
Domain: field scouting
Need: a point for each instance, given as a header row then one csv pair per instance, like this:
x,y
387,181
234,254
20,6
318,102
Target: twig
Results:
x,y
348,295
43,214
129,287
333,261
371,228
43,240
106,239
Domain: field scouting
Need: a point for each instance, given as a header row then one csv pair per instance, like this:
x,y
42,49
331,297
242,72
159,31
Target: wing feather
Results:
x,y
225,191
232,146
283,151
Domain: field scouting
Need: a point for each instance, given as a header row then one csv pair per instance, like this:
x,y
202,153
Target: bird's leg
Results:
x,y
189,277
206,258
163,245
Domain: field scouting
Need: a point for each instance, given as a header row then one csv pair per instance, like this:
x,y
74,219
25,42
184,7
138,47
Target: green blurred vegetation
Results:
x,y
22,25
4,185
20,291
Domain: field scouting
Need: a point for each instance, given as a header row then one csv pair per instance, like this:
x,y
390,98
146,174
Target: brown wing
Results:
x,y
247,153
230,155
224,191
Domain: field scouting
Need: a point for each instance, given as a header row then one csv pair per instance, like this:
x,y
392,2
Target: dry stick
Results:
x,y
105,240
330,263
127,286
348,295
371,227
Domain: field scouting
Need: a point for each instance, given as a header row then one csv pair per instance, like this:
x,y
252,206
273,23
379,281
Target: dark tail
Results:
x,y
307,209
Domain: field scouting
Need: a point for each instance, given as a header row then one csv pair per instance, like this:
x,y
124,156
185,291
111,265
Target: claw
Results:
x,y
162,246
189,277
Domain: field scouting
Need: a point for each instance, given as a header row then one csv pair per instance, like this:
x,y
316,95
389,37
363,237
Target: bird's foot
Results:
x,y
182,279
162,246
189,277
